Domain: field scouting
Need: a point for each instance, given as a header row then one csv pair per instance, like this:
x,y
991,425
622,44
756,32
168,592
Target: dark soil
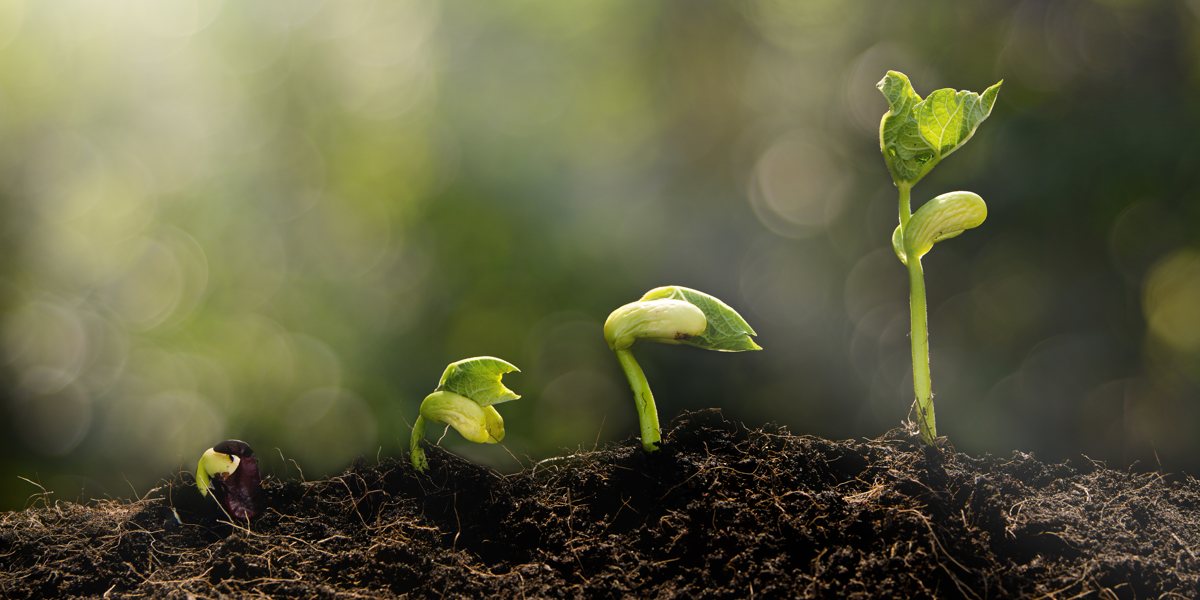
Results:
x,y
722,511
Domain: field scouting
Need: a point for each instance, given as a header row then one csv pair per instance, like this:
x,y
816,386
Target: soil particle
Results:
x,y
721,512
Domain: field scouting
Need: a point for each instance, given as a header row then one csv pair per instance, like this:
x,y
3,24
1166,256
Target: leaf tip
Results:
x,y
898,90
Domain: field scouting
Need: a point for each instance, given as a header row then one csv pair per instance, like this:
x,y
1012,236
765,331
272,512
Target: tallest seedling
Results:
x,y
914,136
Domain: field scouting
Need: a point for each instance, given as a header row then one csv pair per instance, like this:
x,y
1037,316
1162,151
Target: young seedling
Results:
x,y
671,315
464,400
230,471
914,136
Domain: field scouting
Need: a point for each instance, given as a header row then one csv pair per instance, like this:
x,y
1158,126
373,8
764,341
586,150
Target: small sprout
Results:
x,y
463,400
671,315
914,136
230,471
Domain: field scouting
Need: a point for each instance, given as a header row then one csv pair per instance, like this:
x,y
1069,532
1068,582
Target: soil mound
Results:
x,y
722,512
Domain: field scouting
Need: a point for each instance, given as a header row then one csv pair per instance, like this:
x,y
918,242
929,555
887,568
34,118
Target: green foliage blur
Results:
x,y
279,221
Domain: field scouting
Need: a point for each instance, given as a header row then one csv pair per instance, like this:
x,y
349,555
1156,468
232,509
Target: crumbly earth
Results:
x,y
722,512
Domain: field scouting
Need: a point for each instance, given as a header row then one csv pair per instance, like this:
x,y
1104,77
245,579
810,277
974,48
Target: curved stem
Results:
x,y
416,454
647,411
919,336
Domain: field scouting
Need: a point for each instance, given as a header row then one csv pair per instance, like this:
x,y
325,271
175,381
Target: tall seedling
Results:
x,y
914,136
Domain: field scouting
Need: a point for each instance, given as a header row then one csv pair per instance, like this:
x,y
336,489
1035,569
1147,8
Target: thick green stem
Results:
x,y
416,454
919,336
647,411
905,203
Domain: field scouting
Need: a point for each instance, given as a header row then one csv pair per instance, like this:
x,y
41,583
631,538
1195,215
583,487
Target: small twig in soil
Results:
x,y
514,456
231,521
457,520
1085,492
294,463
933,534
599,430
1184,546
44,496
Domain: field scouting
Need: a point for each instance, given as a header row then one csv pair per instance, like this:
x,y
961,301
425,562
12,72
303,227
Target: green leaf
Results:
x,y
942,218
904,150
899,92
948,118
479,379
915,134
727,331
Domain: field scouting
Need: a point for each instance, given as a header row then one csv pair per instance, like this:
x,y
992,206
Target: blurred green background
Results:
x,y
278,221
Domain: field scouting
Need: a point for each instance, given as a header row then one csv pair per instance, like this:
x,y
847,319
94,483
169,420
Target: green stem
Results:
x,y
416,454
647,411
919,336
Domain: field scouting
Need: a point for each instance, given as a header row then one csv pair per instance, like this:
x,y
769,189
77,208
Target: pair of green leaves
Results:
x,y
465,397
678,315
916,134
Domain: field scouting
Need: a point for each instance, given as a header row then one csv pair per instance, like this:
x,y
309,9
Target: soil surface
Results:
x,y
720,512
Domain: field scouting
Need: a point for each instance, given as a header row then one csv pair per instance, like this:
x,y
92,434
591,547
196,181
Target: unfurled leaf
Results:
x,y
948,118
726,330
479,380
942,218
916,134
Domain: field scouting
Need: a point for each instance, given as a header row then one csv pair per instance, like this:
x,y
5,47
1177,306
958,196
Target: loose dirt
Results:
x,y
722,512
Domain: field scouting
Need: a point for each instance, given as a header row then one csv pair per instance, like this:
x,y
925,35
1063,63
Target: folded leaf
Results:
x,y
904,150
476,423
494,424
214,463
664,320
898,244
942,218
